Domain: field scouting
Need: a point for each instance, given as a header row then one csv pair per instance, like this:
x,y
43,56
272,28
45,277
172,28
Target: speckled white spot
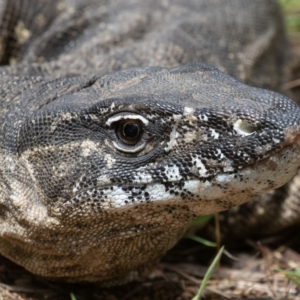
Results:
x,y
200,166
189,136
219,154
157,191
109,160
188,111
174,134
141,176
103,179
224,178
87,147
172,173
214,134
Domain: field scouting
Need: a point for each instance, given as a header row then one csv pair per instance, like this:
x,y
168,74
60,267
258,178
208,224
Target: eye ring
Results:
x,y
129,132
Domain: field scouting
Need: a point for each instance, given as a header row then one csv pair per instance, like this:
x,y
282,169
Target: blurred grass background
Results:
x,y
291,10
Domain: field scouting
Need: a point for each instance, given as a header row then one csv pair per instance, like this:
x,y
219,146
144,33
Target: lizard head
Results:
x,y
131,158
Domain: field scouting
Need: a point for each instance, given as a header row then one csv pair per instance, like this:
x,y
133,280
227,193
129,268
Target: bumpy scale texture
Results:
x,y
101,173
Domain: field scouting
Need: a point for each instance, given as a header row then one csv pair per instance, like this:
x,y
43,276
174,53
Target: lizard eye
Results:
x,y
129,132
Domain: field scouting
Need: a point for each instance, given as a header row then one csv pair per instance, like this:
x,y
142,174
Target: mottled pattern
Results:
x,y
101,173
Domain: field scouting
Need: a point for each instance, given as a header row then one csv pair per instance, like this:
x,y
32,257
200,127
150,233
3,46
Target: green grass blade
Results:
x,y
293,276
208,274
72,296
201,240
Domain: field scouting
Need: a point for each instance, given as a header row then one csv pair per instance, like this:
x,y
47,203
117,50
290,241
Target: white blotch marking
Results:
x,y
158,192
174,134
141,176
76,188
189,136
109,160
94,117
224,178
87,147
65,117
172,173
196,187
103,179
220,154
214,134
188,111
228,168
200,166
62,169
86,152
177,118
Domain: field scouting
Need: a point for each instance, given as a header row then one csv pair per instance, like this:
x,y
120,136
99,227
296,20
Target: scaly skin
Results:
x,y
101,174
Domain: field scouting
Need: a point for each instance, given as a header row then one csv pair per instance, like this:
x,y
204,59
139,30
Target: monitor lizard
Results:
x,y
115,135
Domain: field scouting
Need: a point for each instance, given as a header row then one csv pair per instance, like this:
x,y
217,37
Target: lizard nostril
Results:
x,y
244,127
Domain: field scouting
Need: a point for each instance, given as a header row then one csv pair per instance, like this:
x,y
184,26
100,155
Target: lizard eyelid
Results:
x,y
126,116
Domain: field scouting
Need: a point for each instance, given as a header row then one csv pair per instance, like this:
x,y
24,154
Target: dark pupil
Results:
x,y
130,130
